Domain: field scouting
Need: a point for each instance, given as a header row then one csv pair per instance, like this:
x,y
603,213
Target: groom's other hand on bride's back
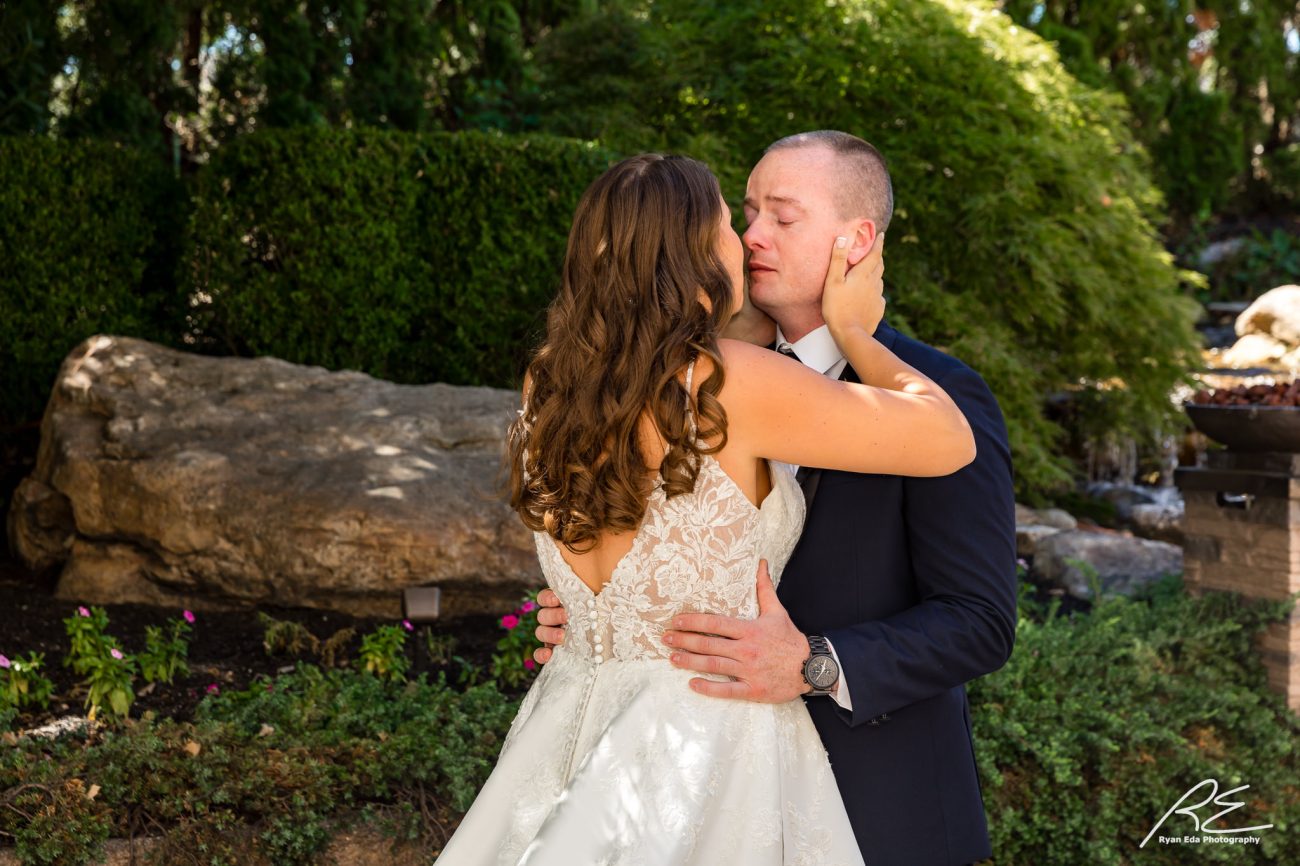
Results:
x,y
550,625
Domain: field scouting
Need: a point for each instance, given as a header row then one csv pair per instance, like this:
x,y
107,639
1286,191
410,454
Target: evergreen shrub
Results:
x,y
411,257
274,769
1024,238
89,240
1101,721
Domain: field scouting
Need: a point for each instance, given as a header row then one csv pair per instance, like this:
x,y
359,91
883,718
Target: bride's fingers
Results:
x,y
838,265
542,655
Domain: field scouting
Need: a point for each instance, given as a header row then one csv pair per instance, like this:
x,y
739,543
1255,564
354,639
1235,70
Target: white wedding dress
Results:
x,y
613,759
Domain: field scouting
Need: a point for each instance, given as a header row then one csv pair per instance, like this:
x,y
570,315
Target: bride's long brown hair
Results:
x,y
627,319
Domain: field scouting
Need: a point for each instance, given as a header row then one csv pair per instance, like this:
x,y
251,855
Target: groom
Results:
x,y
910,581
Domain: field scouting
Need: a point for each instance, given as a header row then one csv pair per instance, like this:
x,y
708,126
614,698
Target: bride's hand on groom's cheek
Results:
x,y
550,625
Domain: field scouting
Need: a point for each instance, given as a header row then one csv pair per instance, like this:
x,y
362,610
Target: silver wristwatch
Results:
x,y
820,670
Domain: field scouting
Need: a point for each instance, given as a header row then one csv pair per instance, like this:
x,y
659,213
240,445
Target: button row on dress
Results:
x,y
600,647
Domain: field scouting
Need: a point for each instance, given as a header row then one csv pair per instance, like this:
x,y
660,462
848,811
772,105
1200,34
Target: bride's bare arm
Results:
x,y
897,422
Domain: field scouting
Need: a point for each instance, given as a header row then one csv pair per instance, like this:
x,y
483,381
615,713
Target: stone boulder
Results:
x,y
179,479
1275,314
1254,350
1123,563
1033,525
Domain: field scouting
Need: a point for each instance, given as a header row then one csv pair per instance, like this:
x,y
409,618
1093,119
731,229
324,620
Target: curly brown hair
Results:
x,y
629,316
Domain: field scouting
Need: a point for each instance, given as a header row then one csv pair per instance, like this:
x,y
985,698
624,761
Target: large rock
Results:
x,y
1276,314
1159,521
172,478
1123,563
1254,350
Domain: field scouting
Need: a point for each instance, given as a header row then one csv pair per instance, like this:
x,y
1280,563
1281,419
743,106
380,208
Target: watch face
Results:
x,y
822,672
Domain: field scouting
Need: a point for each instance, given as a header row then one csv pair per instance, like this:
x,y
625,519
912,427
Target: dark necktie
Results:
x,y
788,351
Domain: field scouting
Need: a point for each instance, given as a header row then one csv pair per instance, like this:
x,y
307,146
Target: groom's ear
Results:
x,y
864,235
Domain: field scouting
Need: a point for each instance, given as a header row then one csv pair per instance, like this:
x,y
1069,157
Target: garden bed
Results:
x,y
226,649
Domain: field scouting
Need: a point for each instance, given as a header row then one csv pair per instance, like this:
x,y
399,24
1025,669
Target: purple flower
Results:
x,y
81,611
115,653
213,689
189,616
530,664
4,661
509,621
1022,563
529,607
406,624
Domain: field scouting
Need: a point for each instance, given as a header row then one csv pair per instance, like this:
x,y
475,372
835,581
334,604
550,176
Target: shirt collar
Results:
x,y
816,349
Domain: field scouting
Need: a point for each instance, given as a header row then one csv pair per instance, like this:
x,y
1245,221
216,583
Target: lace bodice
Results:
x,y
697,552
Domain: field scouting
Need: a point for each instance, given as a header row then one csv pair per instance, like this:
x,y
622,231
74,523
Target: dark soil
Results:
x,y
225,647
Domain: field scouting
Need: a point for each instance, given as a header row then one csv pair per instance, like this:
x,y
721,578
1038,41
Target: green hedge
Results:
x,y
341,744
1100,722
412,257
1023,239
90,235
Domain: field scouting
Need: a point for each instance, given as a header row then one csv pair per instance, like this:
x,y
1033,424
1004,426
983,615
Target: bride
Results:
x,y
652,458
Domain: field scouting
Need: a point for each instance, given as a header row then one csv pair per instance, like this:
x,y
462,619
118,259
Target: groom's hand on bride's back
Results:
x,y
550,625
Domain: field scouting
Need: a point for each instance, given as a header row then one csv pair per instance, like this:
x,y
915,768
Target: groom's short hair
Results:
x,y
863,187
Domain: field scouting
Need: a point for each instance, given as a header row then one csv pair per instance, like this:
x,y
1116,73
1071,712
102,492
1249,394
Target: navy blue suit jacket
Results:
x,y
913,580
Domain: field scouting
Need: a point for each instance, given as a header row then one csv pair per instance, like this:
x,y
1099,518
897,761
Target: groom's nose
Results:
x,y
754,238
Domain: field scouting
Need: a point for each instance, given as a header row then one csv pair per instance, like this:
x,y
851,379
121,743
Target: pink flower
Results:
x,y
213,689
530,664
189,616
406,624
4,661
115,653
81,611
529,607
509,621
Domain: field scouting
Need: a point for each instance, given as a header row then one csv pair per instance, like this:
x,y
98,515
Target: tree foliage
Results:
x,y
1023,240
192,74
1213,84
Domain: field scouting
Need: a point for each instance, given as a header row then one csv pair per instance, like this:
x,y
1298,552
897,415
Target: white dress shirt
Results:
x,y
817,351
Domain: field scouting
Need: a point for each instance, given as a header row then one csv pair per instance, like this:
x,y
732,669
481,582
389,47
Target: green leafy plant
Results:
x,y
93,653
88,638
110,680
164,654
286,636
331,649
513,663
1100,721
383,651
1262,263
22,684
440,647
